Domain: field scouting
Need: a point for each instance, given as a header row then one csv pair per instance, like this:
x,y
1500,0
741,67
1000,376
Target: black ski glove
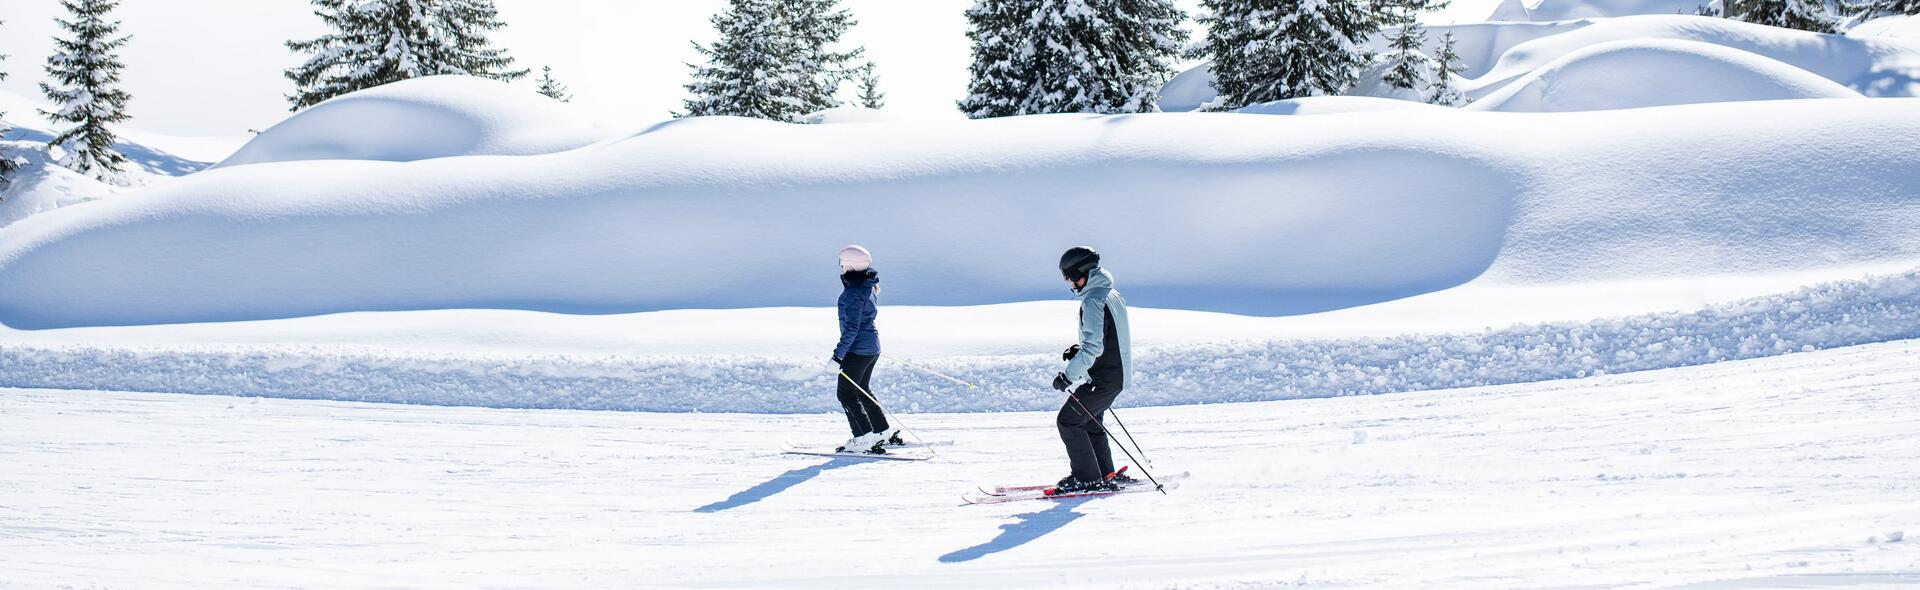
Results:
x,y
1060,381
1070,353
838,362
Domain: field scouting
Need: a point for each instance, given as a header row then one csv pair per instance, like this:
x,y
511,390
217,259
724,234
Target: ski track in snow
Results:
x,y
1792,470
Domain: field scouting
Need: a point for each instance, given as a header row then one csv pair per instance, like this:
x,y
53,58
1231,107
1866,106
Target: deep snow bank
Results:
x,y
1559,10
722,212
1644,73
432,117
1826,316
1240,213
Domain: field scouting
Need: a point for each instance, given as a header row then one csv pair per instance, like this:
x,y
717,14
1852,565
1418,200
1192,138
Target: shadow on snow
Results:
x,y
778,484
1026,528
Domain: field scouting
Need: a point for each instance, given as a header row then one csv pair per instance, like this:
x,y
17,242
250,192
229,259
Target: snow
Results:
x,y
41,186
1497,56
1643,73
1560,10
1791,471
851,114
757,360
422,118
637,224
1331,105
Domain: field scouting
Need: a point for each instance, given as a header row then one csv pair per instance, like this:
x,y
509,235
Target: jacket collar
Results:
x,y
856,278
1098,279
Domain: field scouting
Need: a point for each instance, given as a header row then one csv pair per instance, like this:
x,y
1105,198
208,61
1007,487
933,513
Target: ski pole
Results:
x,y
932,372
883,409
1157,486
1123,430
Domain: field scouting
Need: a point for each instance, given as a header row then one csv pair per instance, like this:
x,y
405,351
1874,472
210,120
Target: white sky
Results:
x,y
213,67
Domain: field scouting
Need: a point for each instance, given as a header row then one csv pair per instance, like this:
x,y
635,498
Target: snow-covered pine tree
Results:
x,y
1264,50
750,70
870,94
1805,15
1872,9
1446,66
1406,65
817,26
552,88
376,42
1099,56
997,79
87,71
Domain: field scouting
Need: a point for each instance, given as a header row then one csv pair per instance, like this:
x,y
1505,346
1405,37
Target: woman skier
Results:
x,y
857,351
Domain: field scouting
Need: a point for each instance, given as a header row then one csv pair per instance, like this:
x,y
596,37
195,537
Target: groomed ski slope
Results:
x,y
1791,471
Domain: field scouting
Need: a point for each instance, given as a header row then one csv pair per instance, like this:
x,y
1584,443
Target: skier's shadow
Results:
x,y
778,484
1031,525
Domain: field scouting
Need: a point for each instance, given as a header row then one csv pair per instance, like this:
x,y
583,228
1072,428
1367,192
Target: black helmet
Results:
x,y
1078,261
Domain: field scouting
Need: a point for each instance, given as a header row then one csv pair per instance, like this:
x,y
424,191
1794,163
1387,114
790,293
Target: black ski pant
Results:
x,y
1082,430
863,414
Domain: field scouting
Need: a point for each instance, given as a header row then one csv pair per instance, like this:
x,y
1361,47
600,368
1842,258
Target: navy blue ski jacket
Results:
x,y
859,305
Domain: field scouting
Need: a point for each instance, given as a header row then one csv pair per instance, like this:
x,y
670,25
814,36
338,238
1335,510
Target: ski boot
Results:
x,y
1072,485
871,443
1120,478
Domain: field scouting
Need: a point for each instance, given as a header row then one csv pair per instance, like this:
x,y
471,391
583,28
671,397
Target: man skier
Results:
x,y
1100,362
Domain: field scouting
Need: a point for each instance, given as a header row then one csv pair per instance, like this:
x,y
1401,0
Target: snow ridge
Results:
x,y
1868,310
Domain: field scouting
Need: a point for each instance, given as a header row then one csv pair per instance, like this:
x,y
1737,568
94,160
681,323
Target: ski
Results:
x,y
1040,495
1006,490
793,449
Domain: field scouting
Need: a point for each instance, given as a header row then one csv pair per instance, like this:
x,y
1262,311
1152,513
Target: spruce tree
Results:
x,y
1406,65
870,94
87,71
552,88
1446,66
1099,56
377,42
1872,9
996,82
1265,50
817,26
1804,15
750,70
7,164
775,59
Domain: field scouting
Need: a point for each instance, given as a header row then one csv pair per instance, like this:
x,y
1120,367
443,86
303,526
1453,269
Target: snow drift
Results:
x,y
1643,73
422,118
1498,55
1270,215
42,185
1559,10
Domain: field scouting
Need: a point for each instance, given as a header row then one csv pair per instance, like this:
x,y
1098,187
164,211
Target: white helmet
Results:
x,y
854,258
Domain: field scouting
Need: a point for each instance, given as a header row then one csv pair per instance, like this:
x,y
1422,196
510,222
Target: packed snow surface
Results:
x,y
1793,471
1271,215
1644,73
422,118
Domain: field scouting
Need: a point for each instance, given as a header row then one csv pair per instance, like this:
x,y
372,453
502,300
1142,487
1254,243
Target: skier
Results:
x,y
856,353
1101,360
